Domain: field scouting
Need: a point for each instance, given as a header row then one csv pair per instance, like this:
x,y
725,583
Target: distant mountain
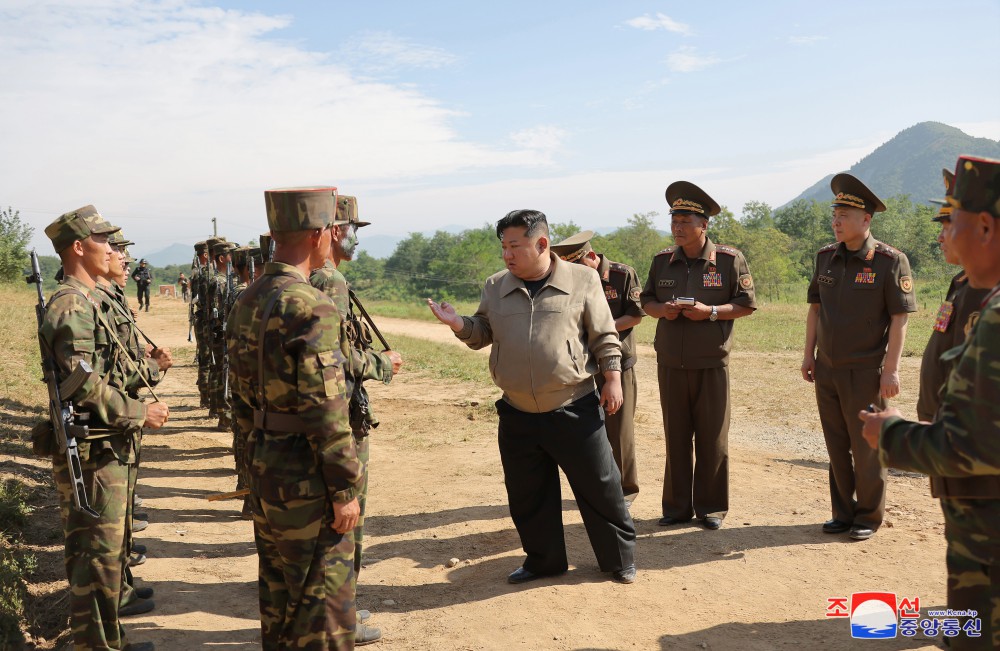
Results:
x,y
911,162
173,254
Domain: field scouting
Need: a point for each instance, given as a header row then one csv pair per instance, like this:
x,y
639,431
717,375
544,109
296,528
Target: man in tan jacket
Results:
x,y
551,331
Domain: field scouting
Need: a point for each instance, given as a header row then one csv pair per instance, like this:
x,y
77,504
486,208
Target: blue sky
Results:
x,y
165,114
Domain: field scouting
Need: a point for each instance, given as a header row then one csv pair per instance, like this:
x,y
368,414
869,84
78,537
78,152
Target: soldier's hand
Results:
x,y
135,314
163,358
446,314
345,515
697,312
873,424
156,415
396,359
889,384
809,369
671,311
149,350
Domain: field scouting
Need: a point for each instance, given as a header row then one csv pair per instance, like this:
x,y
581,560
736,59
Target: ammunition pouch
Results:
x,y
985,487
43,439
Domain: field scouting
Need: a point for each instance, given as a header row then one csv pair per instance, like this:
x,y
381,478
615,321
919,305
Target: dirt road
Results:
x,y
761,582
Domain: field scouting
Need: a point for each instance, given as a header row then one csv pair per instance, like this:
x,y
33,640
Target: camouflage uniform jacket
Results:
x,y
303,375
965,439
73,332
116,307
216,304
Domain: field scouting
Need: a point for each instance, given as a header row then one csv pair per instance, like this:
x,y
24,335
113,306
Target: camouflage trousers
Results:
x,y
972,529
203,363
306,576
128,592
218,399
95,548
364,453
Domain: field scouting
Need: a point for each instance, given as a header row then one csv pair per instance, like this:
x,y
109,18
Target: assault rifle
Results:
x,y
66,423
196,265
226,304
359,408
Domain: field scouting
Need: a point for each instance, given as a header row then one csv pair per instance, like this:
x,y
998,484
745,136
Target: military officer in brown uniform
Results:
x,y
621,288
696,289
955,318
860,294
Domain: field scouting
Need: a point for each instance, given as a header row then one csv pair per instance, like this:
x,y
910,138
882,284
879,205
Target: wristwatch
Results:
x,y
715,314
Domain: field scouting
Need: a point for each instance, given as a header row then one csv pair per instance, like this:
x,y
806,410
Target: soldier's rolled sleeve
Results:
x,y
369,365
897,299
322,396
743,291
963,441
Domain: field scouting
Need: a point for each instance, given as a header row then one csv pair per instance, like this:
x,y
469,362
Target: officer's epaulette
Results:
x,y
829,247
885,249
619,267
669,249
728,250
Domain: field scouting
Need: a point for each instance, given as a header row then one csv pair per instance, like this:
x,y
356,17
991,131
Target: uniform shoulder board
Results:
x,y
829,247
669,249
887,250
728,250
619,267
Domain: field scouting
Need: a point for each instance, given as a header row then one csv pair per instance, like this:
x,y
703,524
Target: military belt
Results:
x,y
975,487
274,421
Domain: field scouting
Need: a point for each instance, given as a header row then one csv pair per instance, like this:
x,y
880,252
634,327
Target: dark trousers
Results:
x,y
621,431
854,468
695,407
142,290
533,447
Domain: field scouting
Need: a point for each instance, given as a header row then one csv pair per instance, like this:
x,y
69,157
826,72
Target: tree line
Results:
x,y
780,246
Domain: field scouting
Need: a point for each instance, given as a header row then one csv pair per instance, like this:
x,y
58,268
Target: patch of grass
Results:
x,y
443,360
14,507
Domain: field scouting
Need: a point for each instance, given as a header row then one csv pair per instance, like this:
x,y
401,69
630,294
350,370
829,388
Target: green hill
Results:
x,y
911,162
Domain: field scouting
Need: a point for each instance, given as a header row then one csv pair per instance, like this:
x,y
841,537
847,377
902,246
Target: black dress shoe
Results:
x,y
836,526
137,607
861,532
711,522
625,575
521,575
668,520
138,548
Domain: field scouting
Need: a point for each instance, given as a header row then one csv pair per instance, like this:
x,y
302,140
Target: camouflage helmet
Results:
x,y
300,209
347,211
77,225
977,185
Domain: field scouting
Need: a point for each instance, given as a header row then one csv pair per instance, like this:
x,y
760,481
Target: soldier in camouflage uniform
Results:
x,y
147,364
241,268
290,392
363,362
216,292
198,297
76,329
960,450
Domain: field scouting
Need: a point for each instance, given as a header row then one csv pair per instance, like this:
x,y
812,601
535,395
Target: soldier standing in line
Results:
x,y
198,313
216,295
696,289
305,475
955,318
241,267
960,450
860,295
143,278
363,363
146,369
74,321
622,289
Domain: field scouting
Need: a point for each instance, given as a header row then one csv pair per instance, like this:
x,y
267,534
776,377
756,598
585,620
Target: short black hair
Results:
x,y
531,220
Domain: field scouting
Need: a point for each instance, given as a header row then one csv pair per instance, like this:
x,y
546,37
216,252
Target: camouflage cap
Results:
x,y
118,239
77,225
265,245
944,212
574,247
222,248
347,211
240,256
300,209
687,198
201,247
977,185
849,191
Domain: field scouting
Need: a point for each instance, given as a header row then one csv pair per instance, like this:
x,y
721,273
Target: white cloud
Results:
x,y
172,112
990,129
545,139
687,59
376,52
659,21
806,40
